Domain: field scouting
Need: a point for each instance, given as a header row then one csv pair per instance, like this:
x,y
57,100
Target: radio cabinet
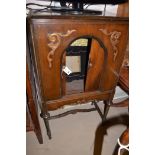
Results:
x,y
50,38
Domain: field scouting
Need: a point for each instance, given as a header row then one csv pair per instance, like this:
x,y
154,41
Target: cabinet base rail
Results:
x,y
46,116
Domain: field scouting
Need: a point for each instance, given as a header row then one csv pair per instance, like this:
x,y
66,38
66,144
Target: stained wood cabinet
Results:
x,y
51,35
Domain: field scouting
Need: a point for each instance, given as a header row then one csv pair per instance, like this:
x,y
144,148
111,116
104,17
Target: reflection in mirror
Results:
x,y
76,66
76,57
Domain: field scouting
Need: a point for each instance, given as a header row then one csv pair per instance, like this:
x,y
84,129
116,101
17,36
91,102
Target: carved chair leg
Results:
x,y
46,121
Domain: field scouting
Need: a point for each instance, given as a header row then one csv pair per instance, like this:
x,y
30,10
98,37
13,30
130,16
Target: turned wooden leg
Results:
x,y
46,121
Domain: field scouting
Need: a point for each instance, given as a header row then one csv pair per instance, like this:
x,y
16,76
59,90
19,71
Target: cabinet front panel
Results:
x,y
53,36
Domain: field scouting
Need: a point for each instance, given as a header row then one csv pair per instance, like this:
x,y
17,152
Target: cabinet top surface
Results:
x,y
55,15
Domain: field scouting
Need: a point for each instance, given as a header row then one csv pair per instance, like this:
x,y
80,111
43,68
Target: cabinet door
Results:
x,y
95,66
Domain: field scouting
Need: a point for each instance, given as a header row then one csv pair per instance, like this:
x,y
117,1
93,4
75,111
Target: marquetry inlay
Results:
x,y
55,40
114,39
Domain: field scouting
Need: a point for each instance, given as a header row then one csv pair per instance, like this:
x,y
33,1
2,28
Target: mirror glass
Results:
x,y
76,66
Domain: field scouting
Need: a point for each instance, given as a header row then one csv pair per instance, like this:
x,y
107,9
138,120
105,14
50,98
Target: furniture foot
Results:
x,y
46,121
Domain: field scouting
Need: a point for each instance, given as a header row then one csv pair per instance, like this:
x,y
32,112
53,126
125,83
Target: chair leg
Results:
x,y
46,121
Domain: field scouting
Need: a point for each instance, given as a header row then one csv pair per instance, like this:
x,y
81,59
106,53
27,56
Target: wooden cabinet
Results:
x,y
51,35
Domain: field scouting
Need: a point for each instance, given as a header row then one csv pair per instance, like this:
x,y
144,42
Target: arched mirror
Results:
x,y
82,66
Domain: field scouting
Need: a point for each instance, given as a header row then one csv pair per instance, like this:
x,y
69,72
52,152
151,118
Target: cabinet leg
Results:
x,y
46,121
47,128
106,109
